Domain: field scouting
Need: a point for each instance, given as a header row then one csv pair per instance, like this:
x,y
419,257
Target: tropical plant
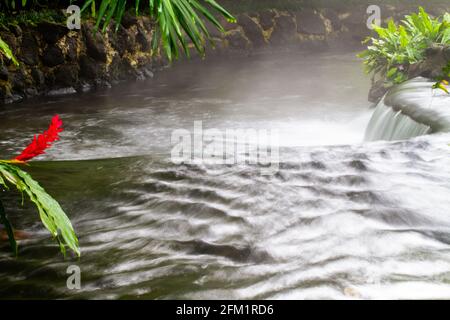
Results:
x,y
396,47
6,51
50,212
178,22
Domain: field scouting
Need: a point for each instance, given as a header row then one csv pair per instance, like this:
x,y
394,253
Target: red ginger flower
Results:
x,y
42,141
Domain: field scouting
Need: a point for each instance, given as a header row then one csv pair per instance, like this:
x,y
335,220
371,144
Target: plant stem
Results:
x,y
9,230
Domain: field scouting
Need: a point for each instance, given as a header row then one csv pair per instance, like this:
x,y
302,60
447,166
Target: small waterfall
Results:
x,y
409,110
388,124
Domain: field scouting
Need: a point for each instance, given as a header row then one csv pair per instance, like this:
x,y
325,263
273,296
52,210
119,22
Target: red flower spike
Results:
x,y
41,142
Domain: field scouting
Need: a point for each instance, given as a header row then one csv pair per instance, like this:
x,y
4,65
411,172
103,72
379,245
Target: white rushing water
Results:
x,y
339,219
410,110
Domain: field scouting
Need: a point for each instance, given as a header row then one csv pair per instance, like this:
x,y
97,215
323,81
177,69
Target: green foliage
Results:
x,y
396,47
177,20
6,51
50,212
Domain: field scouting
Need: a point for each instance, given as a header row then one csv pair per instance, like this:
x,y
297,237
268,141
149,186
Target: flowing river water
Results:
x,y
341,218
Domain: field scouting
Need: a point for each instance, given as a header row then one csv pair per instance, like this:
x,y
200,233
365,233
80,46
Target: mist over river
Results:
x,y
340,218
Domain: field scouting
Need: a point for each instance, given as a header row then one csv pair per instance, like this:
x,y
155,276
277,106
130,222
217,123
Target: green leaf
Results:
x,y
4,49
50,212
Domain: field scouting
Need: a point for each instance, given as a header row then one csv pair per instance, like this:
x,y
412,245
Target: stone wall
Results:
x,y
55,60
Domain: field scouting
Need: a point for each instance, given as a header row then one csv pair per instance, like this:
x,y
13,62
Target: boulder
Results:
x,y
236,40
51,32
38,77
377,91
310,22
89,68
72,47
95,44
436,59
66,76
285,30
129,20
333,16
52,56
18,82
4,74
142,40
29,49
252,30
266,19
124,40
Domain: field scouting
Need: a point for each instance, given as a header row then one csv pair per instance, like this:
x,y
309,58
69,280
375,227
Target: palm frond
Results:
x,y
176,21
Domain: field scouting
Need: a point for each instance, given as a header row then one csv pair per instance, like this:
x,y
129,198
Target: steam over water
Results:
x,y
340,219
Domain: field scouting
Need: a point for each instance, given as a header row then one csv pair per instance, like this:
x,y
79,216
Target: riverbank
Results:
x,y
55,60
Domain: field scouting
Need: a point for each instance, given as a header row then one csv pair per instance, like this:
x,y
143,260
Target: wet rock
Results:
x,y
237,41
61,91
266,19
66,76
38,77
446,53
356,23
436,59
142,40
124,41
377,91
95,44
129,20
4,72
18,81
285,30
252,30
148,73
332,15
72,46
89,68
13,98
29,49
51,32
49,79
31,92
310,22
3,93
84,87
16,30
52,56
